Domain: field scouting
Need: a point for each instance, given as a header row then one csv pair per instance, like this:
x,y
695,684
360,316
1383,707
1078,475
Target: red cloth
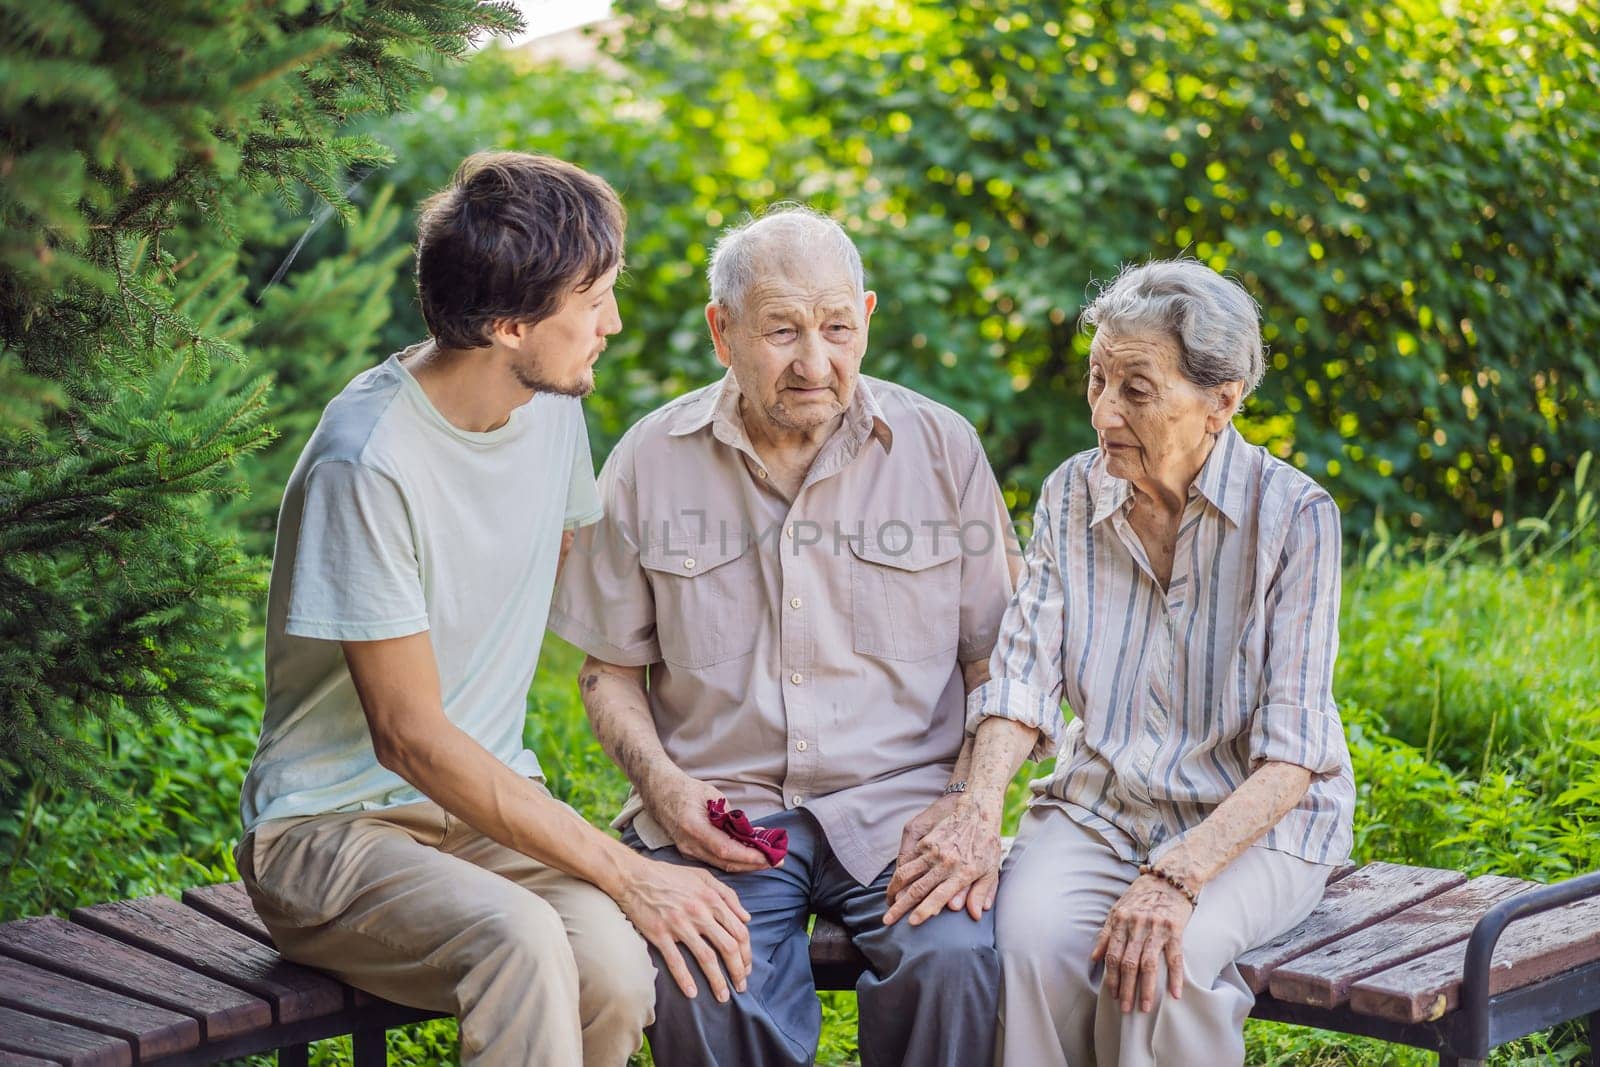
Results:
x,y
771,843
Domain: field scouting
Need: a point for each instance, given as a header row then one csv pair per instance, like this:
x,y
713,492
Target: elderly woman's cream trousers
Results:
x,y
1059,882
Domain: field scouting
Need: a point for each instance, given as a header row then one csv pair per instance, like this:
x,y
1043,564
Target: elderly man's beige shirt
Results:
x,y
804,653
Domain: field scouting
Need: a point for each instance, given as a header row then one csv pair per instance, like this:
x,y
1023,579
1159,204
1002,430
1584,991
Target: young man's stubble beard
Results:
x,y
531,377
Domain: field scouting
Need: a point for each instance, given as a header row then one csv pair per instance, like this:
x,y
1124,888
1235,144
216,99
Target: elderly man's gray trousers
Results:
x,y
1059,883
931,996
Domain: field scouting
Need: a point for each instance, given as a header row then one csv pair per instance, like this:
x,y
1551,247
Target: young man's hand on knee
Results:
x,y
672,905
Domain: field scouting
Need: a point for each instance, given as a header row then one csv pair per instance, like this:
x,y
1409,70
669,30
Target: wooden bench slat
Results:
x,y
165,927
229,904
17,1059
1344,870
1322,978
71,1045
831,945
1530,950
151,1030
65,948
1355,901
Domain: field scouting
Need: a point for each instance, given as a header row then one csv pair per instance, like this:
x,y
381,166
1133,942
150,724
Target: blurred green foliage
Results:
x,y
1412,191
310,322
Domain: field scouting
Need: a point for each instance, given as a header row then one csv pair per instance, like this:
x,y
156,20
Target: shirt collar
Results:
x,y
866,416
1110,492
1220,481
718,408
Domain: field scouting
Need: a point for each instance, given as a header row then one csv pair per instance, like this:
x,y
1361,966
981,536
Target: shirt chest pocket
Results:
x,y
708,597
905,599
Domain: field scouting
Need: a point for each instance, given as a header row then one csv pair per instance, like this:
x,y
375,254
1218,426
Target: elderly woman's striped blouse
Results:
x,y
1177,695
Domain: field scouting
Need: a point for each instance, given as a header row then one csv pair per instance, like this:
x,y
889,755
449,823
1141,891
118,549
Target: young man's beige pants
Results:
x,y
411,904
1059,883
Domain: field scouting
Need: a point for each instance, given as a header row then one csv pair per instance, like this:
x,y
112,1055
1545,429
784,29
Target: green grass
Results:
x,y
1468,686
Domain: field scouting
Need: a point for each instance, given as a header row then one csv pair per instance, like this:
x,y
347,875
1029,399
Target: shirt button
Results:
x,y
761,474
800,746
1144,763
688,564
795,602
798,800
788,531
796,677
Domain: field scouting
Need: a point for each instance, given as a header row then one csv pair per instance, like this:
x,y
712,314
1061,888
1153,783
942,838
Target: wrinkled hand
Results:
x,y
922,822
949,856
672,905
679,806
1144,926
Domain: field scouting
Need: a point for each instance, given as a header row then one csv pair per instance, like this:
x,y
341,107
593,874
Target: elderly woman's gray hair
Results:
x,y
1214,320
784,232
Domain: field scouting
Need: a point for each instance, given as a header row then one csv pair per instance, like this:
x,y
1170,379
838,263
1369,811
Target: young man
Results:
x,y
398,834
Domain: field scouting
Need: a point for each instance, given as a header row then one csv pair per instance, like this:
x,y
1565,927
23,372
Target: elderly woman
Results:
x,y
1181,595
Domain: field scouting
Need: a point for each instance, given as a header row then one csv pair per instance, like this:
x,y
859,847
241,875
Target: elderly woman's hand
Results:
x,y
956,862
1144,926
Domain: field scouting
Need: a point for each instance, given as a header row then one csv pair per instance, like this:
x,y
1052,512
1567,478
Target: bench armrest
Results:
x,y
1486,934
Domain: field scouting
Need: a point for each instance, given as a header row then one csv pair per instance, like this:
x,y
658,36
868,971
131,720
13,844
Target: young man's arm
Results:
x,y
619,710
398,683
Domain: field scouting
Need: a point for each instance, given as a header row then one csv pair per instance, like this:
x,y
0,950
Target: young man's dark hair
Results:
x,y
508,238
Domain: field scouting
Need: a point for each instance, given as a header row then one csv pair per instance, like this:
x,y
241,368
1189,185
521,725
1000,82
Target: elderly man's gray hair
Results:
x,y
786,231
1214,320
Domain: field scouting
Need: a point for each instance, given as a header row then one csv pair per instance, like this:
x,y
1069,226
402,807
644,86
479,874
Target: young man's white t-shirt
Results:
x,y
395,522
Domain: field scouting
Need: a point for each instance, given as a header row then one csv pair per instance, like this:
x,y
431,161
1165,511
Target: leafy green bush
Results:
x,y
1413,192
140,140
307,324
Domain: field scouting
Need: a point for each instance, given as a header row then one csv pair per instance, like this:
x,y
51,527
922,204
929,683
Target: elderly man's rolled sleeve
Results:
x,y
640,652
1298,721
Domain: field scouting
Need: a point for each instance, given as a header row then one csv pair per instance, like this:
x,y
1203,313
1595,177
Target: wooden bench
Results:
x,y
1412,955
1407,954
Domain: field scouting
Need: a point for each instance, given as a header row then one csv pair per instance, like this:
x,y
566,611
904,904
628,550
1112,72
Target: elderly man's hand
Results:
x,y
1146,925
672,906
955,862
678,804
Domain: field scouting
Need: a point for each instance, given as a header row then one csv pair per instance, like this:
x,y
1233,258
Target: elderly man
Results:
x,y
800,574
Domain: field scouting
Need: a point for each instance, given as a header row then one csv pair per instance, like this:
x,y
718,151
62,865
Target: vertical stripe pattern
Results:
x,y
1158,703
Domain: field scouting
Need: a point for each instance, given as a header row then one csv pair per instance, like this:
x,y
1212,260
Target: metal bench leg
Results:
x,y
1594,1040
294,1055
370,1048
